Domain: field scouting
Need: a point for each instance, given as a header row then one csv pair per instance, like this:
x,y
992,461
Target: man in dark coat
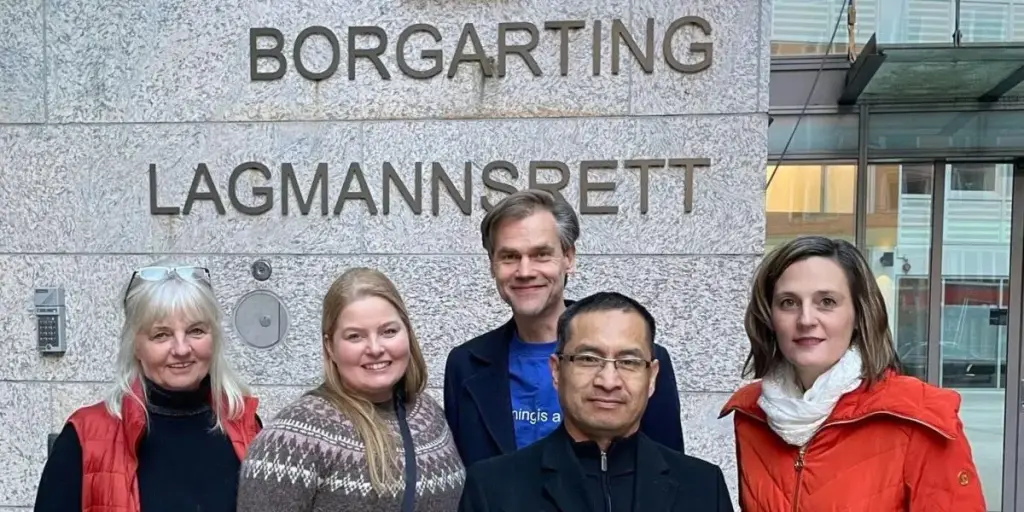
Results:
x,y
598,459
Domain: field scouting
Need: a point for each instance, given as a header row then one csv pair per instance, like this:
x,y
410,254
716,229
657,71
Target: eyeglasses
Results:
x,y
596,363
154,274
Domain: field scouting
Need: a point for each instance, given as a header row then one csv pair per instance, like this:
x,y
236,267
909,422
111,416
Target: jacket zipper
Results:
x,y
604,483
799,466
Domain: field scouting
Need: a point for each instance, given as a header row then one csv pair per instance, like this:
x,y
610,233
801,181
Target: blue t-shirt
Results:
x,y
535,409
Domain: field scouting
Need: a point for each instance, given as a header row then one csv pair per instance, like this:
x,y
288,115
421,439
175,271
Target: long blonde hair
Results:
x,y
381,446
147,302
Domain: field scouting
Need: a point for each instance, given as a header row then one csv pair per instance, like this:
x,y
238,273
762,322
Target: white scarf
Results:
x,y
794,415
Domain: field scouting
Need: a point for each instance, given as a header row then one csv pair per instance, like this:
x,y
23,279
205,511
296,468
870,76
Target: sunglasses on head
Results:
x,y
189,273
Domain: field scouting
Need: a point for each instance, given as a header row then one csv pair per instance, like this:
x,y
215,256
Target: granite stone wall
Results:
x,y
98,98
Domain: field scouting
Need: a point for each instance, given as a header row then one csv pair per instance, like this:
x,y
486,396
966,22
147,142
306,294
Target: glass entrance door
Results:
x,y
947,242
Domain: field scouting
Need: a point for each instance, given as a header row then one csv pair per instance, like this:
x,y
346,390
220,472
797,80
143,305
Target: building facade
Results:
x,y
133,131
912,146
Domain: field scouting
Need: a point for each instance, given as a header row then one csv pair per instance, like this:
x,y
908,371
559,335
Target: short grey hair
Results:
x,y
524,203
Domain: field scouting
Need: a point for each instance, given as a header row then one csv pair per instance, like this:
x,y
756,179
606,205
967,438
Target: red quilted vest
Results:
x,y
109,458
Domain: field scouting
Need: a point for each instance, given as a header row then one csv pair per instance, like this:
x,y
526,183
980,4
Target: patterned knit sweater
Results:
x,y
310,458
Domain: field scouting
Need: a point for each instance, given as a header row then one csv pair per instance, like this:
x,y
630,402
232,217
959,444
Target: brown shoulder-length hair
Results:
x,y
871,333
381,449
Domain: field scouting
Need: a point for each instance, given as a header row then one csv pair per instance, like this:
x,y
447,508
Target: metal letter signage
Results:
x,y
331,192
470,50
255,188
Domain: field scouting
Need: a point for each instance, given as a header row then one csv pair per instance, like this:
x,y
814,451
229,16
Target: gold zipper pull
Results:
x,y
799,464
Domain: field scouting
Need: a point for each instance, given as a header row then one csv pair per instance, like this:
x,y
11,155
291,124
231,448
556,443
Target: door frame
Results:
x,y
1013,422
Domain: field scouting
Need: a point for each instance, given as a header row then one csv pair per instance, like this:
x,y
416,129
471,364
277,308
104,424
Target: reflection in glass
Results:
x,y
815,135
942,132
804,27
975,269
898,247
810,199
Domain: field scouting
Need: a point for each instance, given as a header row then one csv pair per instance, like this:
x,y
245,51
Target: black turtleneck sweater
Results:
x,y
184,464
609,477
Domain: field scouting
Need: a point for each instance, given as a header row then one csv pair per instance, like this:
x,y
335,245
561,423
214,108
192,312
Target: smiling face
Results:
x,y
370,347
602,401
175,352
813,316
529,266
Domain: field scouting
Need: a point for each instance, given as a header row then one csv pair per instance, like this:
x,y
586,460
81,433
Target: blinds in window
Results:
x,y
985,22
899,21
1017,21
805,21
929,21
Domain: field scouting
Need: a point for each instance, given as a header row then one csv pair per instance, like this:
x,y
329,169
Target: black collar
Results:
x,y
563,476
166,402
619,458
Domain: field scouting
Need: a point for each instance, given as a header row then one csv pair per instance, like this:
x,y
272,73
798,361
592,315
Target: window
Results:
x,y
929,21
984,21
911,332
917,178
810,199
804,27
898,239
973,345
973,354
973,178
1017,28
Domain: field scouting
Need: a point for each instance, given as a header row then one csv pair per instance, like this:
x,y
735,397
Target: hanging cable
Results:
x,y
851,31
803,110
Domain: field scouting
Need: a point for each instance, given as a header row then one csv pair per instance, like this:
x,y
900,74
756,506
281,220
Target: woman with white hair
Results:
x,y
173,431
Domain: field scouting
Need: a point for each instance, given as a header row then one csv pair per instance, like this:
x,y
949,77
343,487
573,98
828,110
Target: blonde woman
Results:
x,y
172,433
368,438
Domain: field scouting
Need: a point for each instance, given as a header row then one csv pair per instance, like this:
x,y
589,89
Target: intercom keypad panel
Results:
x,y
50,313
49,331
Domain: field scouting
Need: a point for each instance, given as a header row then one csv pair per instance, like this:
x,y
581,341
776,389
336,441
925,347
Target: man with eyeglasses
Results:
x,y
598,459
